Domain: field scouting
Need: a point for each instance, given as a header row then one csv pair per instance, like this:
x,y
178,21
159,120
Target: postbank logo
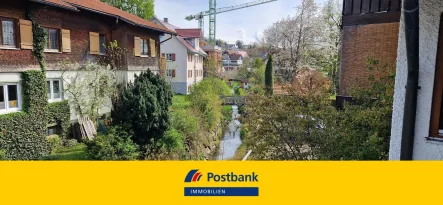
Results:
x,y
195,176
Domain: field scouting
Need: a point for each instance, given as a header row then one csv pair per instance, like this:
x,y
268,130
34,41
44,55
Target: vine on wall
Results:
x,y
39,42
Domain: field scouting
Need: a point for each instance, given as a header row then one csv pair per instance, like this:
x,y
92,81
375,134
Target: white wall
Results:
x,y
430,12
198,67
181,57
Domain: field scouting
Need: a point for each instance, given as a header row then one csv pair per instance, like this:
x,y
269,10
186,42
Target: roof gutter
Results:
x,y
170,37
411,25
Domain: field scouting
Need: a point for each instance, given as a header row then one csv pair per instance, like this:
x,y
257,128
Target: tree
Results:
x,y
258,63
269,77
239,44
291,40
89,87
211,67
328,58
142,8
142,106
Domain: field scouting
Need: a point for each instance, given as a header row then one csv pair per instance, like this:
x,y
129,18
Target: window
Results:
x,y
143,47
7,29
10,99
169,56
53,40
54,90
170,73
102,40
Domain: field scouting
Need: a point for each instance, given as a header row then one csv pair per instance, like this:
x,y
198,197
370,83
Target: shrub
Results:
x,y
143,107
2,154
70,143
54,141
115,145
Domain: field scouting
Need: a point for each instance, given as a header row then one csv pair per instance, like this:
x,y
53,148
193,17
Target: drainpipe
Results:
x,y
411,25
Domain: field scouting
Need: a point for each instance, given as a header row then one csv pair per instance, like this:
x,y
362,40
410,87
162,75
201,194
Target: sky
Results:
x,y
245,24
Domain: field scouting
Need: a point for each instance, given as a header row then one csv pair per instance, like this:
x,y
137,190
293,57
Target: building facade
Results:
x,y
184,57
427,138
370,29
77,31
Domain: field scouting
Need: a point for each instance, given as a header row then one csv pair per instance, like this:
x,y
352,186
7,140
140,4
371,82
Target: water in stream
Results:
x,y
231,139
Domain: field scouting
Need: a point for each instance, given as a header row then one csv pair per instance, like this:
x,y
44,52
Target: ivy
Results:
x,y
23,134
59,113
39,42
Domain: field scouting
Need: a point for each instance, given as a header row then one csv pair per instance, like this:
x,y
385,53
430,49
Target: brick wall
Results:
x,y
360,42
79,24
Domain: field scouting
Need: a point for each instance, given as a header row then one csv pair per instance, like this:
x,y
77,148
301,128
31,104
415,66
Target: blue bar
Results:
x,y
221,191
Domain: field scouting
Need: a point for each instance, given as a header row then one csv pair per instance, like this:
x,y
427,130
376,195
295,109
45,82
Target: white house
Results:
x,y
184,66
417,122
231,61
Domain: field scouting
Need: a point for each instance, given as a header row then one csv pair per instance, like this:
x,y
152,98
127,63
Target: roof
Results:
x,y
185,33
235,56
168,25
105,9
244,54
189,33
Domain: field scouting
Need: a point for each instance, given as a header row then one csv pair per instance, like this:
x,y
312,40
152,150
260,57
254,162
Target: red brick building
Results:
x,y
370,29
77,31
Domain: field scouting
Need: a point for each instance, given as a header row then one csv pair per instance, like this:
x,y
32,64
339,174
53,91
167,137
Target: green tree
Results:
x,y
141,8
211,67
258,63
142,107
269,77
239,44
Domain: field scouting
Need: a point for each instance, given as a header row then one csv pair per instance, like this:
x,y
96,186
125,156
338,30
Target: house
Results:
x,y
184,56
417,122
231,60
77,31
369,29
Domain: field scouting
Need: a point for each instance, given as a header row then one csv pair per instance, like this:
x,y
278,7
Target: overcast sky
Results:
x,y
244,24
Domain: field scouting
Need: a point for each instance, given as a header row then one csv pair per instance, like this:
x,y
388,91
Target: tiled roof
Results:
x,y
168,25
181,38
58,3
100,7
189,33
235,56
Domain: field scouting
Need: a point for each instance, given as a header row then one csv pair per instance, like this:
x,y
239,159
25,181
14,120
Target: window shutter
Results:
x,y
173,57
66,41
137,46
26,39
173,73
94,43
152,48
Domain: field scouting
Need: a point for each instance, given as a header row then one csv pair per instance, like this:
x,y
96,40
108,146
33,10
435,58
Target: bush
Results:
x,y
70,143
23,134
54,141
143,107
2,154
115,145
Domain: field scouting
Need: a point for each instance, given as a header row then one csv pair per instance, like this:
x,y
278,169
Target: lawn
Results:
x,y
77,152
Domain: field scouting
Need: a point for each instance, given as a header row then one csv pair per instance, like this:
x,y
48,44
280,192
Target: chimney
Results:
x,y
165,20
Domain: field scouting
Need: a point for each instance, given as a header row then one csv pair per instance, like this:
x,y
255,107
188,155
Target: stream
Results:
x,y
231,138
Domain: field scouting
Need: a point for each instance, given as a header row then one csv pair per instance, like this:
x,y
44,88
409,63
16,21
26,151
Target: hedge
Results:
x,y
59,112
23,134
